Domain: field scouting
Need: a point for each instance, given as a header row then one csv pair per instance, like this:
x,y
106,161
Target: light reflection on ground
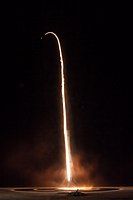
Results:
x,y
48,193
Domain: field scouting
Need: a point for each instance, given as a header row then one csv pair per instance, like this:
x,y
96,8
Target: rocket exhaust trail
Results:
x,y
65,129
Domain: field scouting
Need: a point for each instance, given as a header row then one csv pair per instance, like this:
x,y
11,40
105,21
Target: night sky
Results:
x,y
97,92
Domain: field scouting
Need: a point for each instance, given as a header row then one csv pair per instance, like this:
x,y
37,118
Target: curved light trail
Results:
x,y
65,129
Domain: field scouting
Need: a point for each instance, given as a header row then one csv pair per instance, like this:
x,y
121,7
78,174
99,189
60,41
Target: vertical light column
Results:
x,y
65,129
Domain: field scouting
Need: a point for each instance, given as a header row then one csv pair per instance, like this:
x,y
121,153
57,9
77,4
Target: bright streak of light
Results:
x,y
65,130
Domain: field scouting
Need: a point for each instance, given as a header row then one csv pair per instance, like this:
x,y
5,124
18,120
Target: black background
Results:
x,y
93,42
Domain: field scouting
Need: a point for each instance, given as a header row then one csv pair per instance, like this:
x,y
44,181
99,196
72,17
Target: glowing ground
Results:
x,y
99,193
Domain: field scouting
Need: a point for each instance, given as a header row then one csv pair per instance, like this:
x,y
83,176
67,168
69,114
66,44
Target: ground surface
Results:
x,y
121,193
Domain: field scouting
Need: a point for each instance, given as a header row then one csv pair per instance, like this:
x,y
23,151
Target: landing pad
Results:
x,y
53,193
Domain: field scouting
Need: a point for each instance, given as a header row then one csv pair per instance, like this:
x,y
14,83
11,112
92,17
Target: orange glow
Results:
x,y
76,188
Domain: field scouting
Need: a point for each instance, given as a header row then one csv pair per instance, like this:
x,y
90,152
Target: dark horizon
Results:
x,y
97,92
